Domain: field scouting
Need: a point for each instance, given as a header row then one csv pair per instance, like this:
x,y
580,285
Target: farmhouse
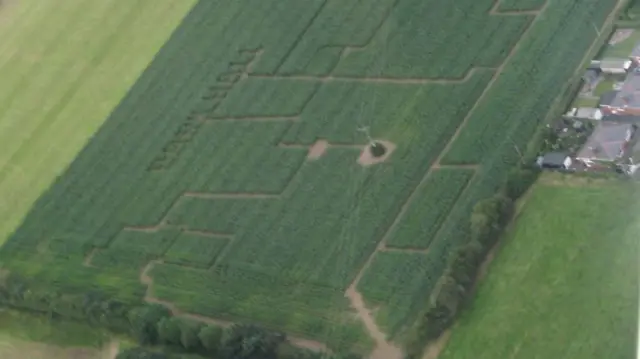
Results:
x,y
609,143
626,100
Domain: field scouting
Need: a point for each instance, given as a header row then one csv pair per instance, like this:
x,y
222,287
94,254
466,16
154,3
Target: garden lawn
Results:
x,y
585,102
604,86
64,66
565,283
622,49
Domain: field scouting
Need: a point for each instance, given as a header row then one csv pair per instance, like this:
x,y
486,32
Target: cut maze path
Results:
x,y
379,80
147,280
253,119
495,10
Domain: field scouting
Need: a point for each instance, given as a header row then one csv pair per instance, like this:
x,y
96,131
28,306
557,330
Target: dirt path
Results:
x,y
403,250
252,118
112,349
89,257
146,279
383,349
380,80
206,195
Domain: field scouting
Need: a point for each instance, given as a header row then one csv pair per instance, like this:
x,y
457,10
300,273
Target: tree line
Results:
x,y
153,325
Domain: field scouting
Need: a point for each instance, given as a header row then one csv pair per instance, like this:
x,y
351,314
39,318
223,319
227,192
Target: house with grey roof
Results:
x,y
627,100
606,99
609,144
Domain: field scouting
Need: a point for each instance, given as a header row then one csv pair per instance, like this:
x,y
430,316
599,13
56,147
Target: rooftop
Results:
x,y
590,113
607,98
615,64
554,159
629,94
608,141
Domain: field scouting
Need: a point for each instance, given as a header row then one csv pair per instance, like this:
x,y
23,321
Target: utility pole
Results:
x,y
365,131
596,28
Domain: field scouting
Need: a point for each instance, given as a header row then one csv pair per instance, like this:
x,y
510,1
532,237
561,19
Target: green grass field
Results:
x,y
64,67
210,171
565,282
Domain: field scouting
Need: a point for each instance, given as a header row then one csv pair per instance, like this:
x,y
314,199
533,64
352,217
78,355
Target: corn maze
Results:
x,y
230,172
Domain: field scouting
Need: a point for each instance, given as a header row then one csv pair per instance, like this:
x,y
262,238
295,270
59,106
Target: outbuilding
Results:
x,y
615,66
555,160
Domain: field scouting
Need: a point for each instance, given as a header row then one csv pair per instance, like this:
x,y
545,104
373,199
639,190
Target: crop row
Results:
x,y
195,250
428,39
429,208
397,283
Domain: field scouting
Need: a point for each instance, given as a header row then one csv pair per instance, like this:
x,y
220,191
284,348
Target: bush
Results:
x,y
169,331
464,263
144,322
189,331
488,218
210,337
377,149
250,342
518,182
